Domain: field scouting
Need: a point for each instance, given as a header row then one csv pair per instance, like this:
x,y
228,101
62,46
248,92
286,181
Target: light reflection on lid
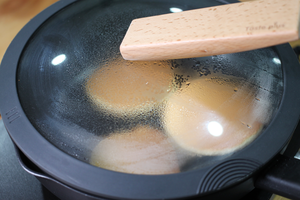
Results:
x,y
215,128
175,10
58,59
276,61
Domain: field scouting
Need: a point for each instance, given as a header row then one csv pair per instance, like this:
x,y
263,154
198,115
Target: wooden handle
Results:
x,y
212,31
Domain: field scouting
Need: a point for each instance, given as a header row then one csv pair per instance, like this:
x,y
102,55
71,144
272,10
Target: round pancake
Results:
x,y
213,116
143,150
129,87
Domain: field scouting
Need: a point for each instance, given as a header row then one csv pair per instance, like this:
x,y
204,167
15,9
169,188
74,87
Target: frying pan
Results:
x,y
49,118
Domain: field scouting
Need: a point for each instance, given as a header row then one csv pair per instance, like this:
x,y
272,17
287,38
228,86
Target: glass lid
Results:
x,y
158,117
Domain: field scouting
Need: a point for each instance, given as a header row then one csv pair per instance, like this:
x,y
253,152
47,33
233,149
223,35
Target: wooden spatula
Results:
x,y
212,31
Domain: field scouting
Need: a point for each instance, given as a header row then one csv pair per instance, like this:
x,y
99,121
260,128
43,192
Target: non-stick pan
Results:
x,y
51,109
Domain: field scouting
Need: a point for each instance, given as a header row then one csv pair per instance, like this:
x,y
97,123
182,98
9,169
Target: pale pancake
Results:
x,y
213,116
143,150
129,87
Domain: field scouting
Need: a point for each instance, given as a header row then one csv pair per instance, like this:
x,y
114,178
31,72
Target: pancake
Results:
x,y
143,150
213,116
129,87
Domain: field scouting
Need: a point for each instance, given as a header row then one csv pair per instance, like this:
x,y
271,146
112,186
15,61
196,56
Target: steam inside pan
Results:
x,y
158,117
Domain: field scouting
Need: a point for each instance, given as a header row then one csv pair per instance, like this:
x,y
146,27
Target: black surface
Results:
x,y
282,178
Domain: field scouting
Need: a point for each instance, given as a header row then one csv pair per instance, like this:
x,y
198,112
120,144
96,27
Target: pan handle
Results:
x,y
59,189
282,178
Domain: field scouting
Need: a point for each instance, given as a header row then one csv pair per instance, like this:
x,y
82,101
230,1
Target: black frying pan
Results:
x,y
45,105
